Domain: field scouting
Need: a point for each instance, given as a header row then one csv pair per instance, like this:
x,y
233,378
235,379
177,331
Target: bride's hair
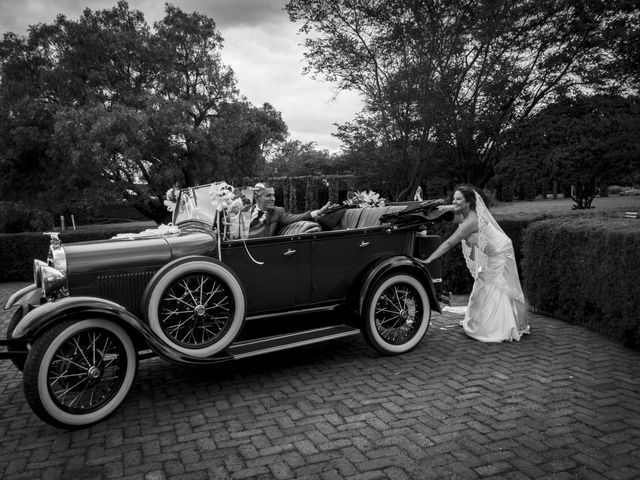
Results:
x,y
469,194
469,191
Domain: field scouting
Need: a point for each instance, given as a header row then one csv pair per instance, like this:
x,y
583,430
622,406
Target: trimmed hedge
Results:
x,y
584,270
18,250
17,217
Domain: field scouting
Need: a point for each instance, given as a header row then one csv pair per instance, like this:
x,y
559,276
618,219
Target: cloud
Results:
x,y
233,13
273,74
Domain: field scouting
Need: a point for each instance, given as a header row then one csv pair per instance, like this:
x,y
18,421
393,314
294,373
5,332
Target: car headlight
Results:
x,y
37,273
54,282
57,258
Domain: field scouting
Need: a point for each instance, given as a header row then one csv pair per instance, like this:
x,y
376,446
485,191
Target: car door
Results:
x,y
339,257
274,271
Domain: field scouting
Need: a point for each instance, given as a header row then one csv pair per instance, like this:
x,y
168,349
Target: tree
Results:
x,y
295,159
442,81
123,111
623,35
581,143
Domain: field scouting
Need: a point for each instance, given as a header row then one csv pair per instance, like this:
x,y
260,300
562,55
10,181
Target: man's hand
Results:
x,y
320,211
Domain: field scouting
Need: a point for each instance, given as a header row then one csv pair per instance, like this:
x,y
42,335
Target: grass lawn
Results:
x,y
610,205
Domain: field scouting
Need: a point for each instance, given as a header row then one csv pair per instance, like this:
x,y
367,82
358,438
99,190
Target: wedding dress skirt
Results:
x,y
496,310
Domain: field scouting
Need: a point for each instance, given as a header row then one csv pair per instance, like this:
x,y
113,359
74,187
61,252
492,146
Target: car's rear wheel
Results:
x,y
396,314
78,372
196,307
13,323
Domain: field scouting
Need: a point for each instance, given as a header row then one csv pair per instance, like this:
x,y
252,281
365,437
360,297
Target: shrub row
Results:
x,y
584,271
17,217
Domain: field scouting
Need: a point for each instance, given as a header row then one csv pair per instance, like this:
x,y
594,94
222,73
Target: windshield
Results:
x,y
194,204
197,203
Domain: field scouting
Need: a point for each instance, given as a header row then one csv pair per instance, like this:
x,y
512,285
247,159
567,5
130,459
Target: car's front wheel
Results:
x,y
196,307
78,372
396,314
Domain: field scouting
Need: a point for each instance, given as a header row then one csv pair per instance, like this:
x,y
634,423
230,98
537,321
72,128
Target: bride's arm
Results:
x,y
466,228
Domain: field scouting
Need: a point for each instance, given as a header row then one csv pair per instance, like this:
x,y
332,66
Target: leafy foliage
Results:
x,y
581,143
443,81
295,158
106,107
16,217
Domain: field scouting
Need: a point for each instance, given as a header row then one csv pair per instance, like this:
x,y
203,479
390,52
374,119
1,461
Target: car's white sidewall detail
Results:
x,y
371,322
173,274
77,420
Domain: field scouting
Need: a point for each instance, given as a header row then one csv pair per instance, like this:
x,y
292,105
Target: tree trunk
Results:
x,y
583,194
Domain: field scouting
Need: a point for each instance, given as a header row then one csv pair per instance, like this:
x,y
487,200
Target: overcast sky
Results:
x,y
260,44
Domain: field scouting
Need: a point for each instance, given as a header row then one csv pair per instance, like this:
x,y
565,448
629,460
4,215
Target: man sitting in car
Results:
x,y
267,219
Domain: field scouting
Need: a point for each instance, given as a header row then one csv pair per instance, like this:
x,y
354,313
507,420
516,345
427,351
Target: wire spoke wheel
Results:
x,y
86,371
396,314
79,371
196,310
195,305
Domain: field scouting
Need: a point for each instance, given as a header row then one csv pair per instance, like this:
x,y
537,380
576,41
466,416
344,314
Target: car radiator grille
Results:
x,y
125,288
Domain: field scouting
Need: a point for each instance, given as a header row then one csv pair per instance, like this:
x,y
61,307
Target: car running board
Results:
x,y
249,348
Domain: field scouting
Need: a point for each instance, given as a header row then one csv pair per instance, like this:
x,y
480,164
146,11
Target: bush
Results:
x,y
616,189
630,192
99,213
16,218
583,270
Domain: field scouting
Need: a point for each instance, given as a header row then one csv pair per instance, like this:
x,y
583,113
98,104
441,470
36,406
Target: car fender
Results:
x,y
41,318
25,297
400,263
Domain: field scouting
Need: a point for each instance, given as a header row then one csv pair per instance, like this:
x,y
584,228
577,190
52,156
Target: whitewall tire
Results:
x,y
196,307
396,314
78,372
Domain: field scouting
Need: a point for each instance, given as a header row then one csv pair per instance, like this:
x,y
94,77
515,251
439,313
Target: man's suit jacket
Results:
x,y
275,219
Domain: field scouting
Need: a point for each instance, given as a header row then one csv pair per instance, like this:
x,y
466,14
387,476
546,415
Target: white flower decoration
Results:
x,y
222,195
365,199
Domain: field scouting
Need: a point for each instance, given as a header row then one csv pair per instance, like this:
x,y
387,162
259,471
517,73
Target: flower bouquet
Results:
x,y
233,206
365,199
222,196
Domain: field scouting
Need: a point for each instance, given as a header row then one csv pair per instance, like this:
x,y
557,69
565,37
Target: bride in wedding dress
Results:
x,y
496,310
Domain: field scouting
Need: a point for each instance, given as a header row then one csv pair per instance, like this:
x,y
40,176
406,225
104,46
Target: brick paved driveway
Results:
x,y
562,404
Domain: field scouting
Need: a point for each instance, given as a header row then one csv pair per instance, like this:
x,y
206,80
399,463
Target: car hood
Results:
x,y
133,252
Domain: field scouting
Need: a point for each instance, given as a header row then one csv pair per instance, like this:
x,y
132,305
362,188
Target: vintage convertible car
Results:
x,y
190,294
